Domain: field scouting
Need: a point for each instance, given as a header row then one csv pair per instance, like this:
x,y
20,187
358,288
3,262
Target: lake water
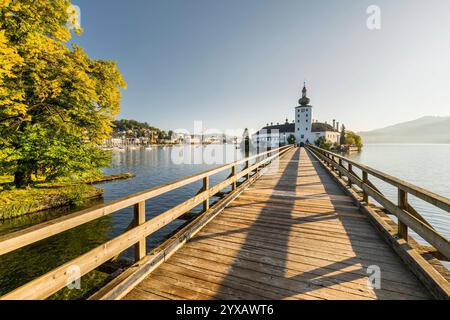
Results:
x,y
151,168
424,165
427,166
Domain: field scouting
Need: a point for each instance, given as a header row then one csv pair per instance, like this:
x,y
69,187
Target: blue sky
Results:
x,y
236,64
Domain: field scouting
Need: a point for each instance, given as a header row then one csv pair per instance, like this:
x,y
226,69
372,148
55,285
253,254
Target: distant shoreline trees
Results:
x,y
348,138
128,129
323,143
353,139
342,139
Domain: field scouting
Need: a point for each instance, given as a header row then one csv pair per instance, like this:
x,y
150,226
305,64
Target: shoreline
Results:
x,y
20,202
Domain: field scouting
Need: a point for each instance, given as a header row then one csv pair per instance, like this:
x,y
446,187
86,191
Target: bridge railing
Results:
x,y
406,215
51,282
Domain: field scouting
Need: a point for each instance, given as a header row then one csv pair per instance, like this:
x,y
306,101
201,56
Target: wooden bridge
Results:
x,y
297,224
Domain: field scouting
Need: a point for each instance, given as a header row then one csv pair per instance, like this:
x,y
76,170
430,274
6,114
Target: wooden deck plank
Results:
x,y
292,235
315,254
339,283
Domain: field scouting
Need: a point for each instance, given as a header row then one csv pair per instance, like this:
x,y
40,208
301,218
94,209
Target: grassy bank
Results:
x,y
43,196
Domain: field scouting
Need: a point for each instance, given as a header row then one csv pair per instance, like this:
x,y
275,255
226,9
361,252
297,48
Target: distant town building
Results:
x,y
304,128
193,139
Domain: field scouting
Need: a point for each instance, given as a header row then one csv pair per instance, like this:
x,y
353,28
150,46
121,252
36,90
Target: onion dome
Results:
x,y
304,101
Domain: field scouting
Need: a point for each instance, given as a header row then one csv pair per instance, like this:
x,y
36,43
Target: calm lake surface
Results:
x,y
152,168
424,165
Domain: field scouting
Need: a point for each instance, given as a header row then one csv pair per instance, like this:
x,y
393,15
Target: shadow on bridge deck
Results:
x,y
294,234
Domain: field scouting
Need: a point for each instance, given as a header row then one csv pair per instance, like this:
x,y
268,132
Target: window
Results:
x,y
306,129
303,136
306,120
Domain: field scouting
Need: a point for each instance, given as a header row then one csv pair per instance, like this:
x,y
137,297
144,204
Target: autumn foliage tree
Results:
x,y
56,104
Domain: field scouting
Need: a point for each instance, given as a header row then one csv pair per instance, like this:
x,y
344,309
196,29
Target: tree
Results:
x,y
323,143
342,139
246,143
291,139
352,138
246,139
162,135
56,104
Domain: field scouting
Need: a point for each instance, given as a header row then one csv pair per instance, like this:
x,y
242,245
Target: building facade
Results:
x,y
307,131
274,135
304,128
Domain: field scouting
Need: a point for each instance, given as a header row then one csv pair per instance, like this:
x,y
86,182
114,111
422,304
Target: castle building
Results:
x,y
275,135
304,128
307,130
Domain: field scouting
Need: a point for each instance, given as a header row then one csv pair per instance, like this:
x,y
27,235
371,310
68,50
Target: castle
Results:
x,y
303,128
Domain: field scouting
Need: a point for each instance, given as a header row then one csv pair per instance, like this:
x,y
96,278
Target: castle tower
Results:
x,y
303,119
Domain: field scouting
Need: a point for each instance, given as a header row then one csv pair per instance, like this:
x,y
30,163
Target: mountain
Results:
x,y
424,130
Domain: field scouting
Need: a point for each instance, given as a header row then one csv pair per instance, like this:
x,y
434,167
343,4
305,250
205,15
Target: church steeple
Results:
x,y
304,101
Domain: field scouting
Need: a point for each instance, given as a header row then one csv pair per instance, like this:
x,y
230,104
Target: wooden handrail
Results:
x,y
22,238
53,281
428,196
407,216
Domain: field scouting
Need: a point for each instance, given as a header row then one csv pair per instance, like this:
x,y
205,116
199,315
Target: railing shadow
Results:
x,y
274,271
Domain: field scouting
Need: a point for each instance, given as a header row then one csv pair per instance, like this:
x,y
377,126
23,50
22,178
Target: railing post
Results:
x,y
205,188
350,170
233,174
365,180
340,165
402,204
139,218
247,166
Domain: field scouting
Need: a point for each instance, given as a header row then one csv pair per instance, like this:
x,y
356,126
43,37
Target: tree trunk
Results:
x,y
22,177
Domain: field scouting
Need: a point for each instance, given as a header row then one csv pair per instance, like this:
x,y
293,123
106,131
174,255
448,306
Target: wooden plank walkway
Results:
x,y
293,234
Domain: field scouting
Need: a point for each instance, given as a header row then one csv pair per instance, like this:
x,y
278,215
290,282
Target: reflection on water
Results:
x,y
426,166
152,168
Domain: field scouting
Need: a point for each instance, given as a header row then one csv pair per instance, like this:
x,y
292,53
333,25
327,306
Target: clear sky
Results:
x,y
241,63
